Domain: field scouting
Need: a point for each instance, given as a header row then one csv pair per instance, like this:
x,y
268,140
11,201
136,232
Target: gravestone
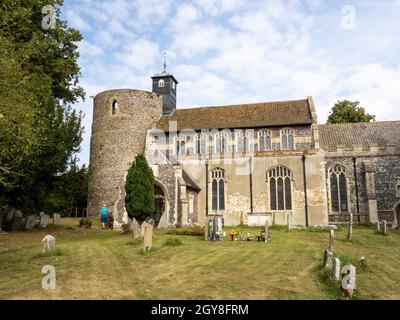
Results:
x,y
349,280
378,226
56,219
10,215
331,237
384,227
142,229
48,243
327,258
16,224
148,237
44,220
336,269
30,222
214,227
266,230
135,229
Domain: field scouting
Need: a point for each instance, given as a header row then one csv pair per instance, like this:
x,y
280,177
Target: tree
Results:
x,y
139,188
39,131
348,111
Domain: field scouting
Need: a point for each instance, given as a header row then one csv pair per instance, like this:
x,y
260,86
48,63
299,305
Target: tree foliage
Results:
x,y
139,188
39,130
348,111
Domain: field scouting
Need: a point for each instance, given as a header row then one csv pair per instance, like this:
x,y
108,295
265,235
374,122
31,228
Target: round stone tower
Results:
x,y
121,119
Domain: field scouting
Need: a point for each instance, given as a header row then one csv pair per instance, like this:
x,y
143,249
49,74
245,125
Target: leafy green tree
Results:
x,y
348,111
39,131
139,188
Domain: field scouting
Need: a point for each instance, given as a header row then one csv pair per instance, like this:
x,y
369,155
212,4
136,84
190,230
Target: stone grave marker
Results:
x,y
349,280
384,227
327,258
44,220
148,237
378,226
336,269
30,222
331,237
16,224
10,215
136,232
56,219
48,243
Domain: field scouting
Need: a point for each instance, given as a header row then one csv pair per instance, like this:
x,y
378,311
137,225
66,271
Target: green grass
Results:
x,y
96,264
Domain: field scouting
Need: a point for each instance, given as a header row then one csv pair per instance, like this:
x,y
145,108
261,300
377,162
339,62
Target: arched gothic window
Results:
x,y
287,138
202,143
181,145
218,189
280,187
114,107
239,141
338,188
264,140
161,83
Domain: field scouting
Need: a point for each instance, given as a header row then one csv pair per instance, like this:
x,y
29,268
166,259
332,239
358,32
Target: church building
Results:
x,y
247,163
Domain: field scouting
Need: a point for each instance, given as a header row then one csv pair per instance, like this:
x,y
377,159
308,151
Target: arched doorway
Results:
x,y
159,203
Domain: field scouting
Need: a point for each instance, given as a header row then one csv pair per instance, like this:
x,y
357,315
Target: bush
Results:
x,y
188,231
85,222
173,242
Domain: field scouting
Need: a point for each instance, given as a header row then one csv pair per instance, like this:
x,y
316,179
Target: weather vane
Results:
x,y
165,60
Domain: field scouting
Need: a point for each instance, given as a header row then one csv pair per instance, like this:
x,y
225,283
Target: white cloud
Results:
x,y
77,22
141,54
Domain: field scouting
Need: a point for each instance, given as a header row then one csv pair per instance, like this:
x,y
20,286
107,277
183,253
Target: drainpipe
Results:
x,y
251,183
305,188
356,185
206,187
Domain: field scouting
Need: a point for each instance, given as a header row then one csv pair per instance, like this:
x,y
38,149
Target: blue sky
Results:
x,y
237,51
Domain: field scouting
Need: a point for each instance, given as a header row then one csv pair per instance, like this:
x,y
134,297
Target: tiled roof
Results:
x,y
365,134
278,113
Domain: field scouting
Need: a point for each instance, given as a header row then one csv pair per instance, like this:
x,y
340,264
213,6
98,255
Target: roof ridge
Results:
x,y
354,123
242,104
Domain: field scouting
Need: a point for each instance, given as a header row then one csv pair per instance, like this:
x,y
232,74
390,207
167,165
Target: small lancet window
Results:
x,y
114,107
161,83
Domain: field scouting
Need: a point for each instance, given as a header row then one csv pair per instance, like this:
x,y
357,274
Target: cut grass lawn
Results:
x,y
96,264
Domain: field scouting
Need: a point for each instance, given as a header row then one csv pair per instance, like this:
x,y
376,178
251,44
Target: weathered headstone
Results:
x,y
10,215
336,269
327,258
331,237
363,263
378,226
142,229
30,222
44,220
384,227
349,280
48,243
56,219
148,237
135,229
16,224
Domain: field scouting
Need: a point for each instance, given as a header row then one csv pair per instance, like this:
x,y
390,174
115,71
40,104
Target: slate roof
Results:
x,y
365,134
279,113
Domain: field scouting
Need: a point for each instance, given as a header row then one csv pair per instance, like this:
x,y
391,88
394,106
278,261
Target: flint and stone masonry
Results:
x,y
315,174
